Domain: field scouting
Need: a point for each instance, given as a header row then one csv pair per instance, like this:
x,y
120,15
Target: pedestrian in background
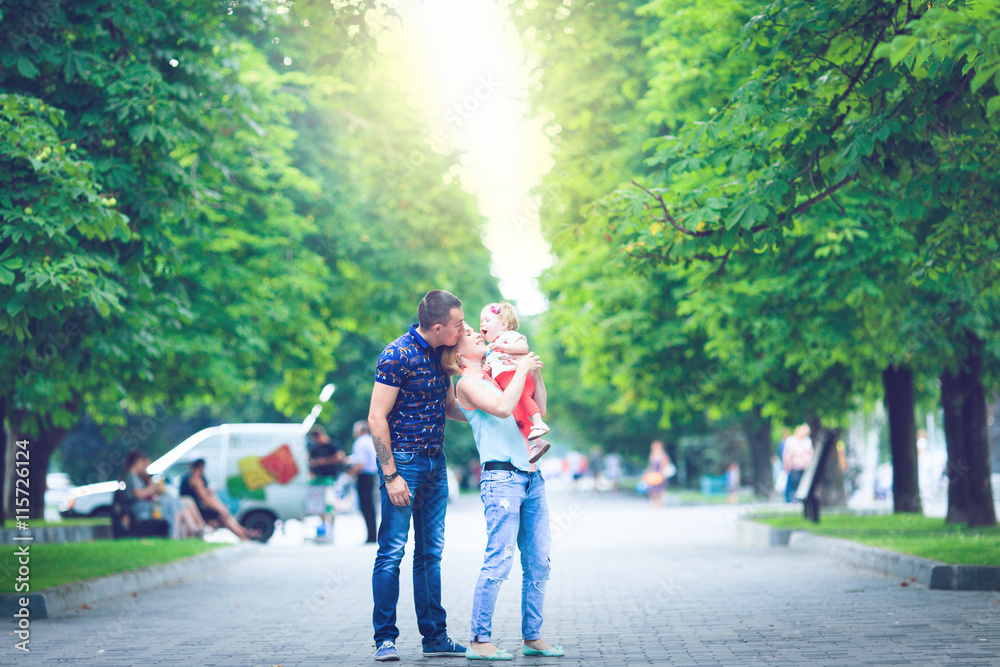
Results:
x,y
658,470
326,461
733,482
212,510
364,467
797,455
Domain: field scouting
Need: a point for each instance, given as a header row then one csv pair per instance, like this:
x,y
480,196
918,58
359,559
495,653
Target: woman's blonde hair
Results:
x,y
506,312
449,360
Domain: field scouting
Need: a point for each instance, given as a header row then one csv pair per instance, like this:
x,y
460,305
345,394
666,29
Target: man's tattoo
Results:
x,y
382,450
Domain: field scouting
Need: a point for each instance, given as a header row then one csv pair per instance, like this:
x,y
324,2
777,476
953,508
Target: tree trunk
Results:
x,y
758,433
977,444
41,449
3,457
897,381
952,399
963,396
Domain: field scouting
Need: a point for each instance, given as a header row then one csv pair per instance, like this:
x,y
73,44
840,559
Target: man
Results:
x,y
364,467
326,460
410,399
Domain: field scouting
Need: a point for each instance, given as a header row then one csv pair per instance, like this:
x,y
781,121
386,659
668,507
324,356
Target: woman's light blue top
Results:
x,y
496,439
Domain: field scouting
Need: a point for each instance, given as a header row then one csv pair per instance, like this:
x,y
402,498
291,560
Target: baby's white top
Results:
x,y
497,364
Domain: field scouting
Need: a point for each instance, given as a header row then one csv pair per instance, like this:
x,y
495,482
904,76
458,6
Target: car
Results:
x,y
91,500
57,489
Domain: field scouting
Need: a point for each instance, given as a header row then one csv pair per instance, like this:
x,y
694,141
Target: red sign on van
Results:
x,y
281,464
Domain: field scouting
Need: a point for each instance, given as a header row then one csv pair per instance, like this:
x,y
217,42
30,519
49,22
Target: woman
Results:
x,y
797,455
150,501
513,495
209,507
658,470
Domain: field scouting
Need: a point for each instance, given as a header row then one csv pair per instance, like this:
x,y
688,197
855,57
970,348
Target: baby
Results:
x,y
498,324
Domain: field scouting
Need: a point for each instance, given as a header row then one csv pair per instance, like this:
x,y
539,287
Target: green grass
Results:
x,y
676,496
68,562
85,521
904,533
698,498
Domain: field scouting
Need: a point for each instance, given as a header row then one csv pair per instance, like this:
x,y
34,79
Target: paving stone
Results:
x,y
631,585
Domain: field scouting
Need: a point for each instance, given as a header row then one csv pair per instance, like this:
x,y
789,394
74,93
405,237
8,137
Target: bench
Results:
x,y
124,525
712,485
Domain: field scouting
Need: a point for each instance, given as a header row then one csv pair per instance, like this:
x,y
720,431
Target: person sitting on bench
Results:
x,y
136,513
213,510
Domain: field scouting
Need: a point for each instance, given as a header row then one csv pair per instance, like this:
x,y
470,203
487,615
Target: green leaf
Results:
x,y
26,68
748,216
16,303
908,209
983,77
993,105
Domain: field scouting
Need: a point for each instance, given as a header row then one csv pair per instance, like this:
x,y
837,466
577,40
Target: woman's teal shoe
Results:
x,y
554,652
499,655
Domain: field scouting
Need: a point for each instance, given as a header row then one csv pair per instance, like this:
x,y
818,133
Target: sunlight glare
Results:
x,y
463,63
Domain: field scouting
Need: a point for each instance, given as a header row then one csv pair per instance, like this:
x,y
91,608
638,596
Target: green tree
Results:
x,y
157,104
823,116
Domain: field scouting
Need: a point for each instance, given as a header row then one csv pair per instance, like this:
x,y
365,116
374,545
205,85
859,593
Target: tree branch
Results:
x,y
807,204
857,77
961,84
725,258
669,218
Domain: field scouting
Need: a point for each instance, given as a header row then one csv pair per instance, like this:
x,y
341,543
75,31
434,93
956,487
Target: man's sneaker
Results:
x,y
445,648
386,652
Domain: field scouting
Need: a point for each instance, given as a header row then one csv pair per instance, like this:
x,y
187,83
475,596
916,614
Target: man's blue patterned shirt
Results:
x,y
416,421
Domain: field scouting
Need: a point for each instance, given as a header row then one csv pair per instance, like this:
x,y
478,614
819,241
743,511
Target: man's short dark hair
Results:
x,y
197,463
436,307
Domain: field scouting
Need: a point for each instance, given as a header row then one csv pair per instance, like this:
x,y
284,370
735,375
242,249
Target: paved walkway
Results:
x,y
631,585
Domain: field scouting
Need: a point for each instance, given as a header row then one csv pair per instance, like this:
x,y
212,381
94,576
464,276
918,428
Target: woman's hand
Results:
x,y
530,362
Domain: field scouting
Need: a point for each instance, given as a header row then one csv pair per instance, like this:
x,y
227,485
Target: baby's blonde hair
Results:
x,y
507,313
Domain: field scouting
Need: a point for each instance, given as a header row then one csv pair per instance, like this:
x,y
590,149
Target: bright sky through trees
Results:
x,y
464,64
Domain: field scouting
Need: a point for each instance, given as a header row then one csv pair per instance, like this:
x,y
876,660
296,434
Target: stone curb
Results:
x,y
51,534
62,599
933,574
753,534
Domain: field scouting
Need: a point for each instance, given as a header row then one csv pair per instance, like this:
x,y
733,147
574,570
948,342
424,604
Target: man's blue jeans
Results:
x,y
427,477
516,513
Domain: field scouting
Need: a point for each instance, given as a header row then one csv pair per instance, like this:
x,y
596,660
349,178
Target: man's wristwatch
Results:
x,y
388,478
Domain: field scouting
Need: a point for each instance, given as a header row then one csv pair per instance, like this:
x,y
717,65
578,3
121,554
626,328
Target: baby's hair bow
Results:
x,y
495,309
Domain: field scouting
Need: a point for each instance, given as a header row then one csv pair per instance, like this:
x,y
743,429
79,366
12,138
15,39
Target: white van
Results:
x,y
261,471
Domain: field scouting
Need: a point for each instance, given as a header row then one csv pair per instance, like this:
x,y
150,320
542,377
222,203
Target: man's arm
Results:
x,y
337,457
452,410
383,398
